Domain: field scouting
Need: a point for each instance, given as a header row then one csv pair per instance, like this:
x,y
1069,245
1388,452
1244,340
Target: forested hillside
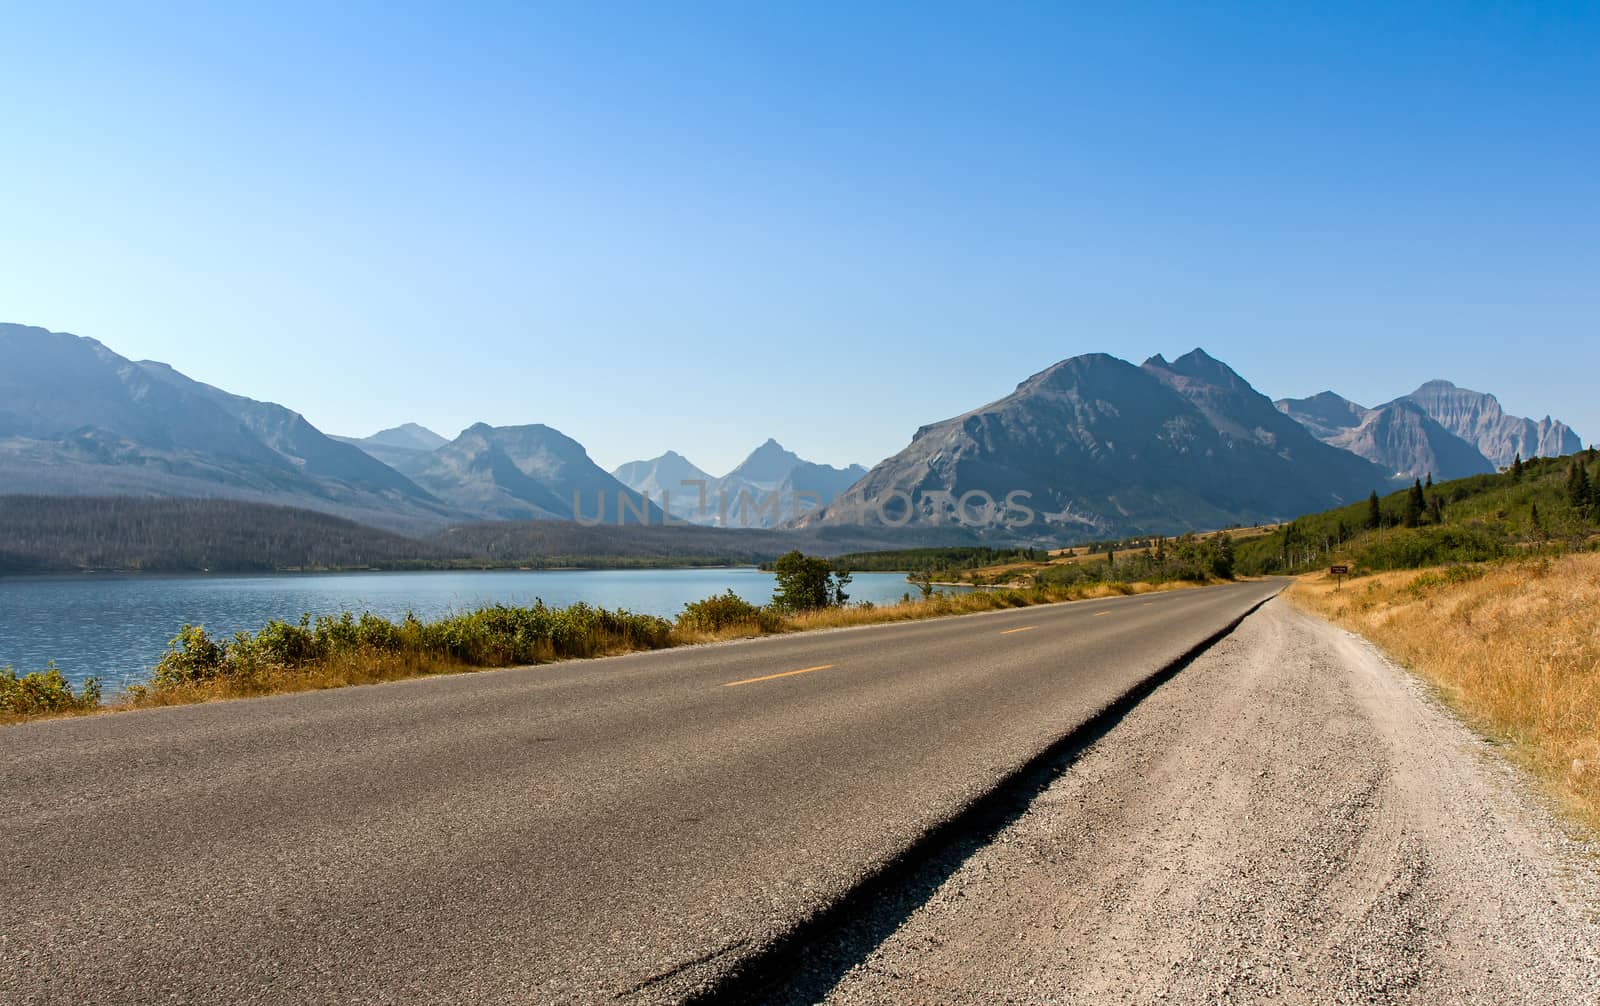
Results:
x,y
1542,503
61,533
138,534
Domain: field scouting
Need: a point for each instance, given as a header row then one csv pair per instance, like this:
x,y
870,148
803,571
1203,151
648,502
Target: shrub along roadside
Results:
x,y
44,693
333,652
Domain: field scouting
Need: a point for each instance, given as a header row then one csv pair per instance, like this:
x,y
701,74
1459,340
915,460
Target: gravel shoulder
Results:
x,y
1290,819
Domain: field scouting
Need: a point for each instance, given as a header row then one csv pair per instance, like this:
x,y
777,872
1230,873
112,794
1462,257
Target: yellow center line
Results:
x,y
1099,613
1025,628
783,674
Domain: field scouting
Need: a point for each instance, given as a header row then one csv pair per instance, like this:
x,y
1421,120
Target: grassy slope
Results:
x,y
1514,646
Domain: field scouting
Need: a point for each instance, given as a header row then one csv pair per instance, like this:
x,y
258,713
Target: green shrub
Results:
x,y
1409,548
192,657
488,637
726,611
46,691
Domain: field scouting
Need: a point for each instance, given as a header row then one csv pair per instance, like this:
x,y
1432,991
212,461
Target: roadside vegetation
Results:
x,y
937,560
1188,558
44,693
1513,645
1542,505
349,649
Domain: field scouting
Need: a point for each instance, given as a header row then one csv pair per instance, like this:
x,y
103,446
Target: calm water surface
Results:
x,y
117,627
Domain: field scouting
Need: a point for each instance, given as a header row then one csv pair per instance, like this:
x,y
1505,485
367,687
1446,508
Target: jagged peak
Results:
x,y
769,448
1199,365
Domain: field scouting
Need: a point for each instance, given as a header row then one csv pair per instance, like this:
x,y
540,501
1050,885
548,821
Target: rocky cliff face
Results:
x,y
1398,436
1403,439
1478,419
1103,447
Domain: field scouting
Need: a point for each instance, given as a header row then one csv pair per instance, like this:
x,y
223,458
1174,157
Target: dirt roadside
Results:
x,y
1290,819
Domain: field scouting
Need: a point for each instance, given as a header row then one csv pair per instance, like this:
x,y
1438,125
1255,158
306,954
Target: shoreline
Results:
x,y
201,671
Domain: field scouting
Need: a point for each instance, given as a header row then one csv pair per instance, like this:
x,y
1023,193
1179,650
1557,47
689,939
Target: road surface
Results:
x,y
626,829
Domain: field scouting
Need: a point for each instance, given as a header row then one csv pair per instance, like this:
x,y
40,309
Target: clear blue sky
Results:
x,y
694,226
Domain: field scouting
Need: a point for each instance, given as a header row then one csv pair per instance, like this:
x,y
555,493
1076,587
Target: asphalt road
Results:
x,y
623,829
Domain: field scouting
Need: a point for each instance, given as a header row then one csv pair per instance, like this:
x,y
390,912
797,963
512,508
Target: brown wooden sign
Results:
x,y
1339,570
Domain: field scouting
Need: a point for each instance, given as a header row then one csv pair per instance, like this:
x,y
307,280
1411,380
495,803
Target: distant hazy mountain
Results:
x,y
1325,414
771,474
78,419
404,448
760,492
1478,419
1104,447
410,436
666,474
1398,436
824,482
525,473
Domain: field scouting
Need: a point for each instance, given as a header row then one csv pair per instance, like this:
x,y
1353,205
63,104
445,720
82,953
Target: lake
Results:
x,y
116,627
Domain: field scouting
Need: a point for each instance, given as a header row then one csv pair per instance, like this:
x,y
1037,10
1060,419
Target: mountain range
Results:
x,y
1101,447
769,488
76,419
1091,446
1439,430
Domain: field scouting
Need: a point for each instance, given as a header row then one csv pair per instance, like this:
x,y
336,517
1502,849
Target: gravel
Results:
x,y
1290,819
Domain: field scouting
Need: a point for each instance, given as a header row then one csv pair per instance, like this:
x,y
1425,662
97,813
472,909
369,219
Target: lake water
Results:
x,y
117,627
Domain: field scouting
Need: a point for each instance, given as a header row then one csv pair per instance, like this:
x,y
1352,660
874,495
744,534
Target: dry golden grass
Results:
x,y
938,606
1514,647
337,671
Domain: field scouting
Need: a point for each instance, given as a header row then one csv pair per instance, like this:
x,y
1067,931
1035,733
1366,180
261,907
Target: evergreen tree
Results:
x,y
1594,496
1577,486
1374,512
1533,517
1516,468
1429,483
1416,503
805,583
1435,509
1222,560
